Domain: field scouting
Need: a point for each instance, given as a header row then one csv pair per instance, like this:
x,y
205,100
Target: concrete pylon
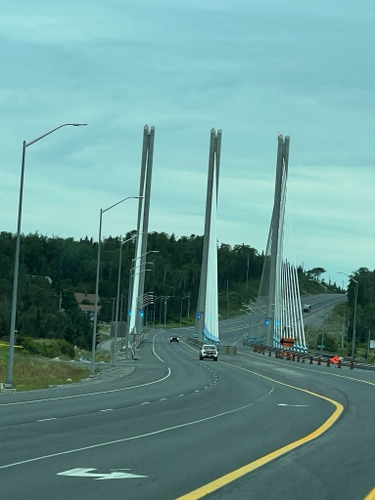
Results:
x,y
206,323
275,239
137,271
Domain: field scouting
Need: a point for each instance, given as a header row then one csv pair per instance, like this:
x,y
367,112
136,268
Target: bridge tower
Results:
x,y
207,319
137,272
279,293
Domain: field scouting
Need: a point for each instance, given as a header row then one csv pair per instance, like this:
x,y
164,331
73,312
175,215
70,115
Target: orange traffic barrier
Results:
x,y
351,365
311,360
269,352
339,363
319,360
328,362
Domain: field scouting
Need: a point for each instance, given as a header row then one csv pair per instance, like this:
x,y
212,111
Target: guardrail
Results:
x,y
324,358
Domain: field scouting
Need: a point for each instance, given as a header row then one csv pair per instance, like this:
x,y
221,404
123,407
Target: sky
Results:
x,y
251,68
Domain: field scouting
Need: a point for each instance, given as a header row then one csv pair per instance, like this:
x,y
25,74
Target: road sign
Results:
x,y
98,474
320,346
372,344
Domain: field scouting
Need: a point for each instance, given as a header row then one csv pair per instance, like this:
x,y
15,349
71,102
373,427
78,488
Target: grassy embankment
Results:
x,y
34,372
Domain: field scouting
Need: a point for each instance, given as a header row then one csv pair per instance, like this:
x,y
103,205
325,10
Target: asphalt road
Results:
x,y
176,423
233,331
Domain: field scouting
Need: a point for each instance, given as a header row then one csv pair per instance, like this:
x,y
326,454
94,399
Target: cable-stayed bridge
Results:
x,y
279,295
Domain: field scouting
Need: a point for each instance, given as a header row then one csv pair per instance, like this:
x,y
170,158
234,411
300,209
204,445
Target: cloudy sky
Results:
x,y
252,68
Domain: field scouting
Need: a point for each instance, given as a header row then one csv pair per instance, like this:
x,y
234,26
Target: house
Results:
x,y
86,302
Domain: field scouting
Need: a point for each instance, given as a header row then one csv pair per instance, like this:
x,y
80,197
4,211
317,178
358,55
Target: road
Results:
x,y
176,424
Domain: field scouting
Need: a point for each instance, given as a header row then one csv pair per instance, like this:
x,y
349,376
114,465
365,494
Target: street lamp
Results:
x,y
355,313
130,293
228,294
156,299
324,316
186,297
97,280
8,383
165,308
118,297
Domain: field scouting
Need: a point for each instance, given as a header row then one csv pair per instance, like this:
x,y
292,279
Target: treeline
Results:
x,y
339,325
365,321
53,268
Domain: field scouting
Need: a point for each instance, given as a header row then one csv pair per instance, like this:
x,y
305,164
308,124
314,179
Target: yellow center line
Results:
x,y
371,495
236,474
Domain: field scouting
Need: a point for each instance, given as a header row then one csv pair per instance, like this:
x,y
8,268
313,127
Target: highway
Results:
x,y
176,425
234,330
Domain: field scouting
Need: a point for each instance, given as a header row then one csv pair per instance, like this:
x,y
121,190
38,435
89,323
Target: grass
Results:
x,y
34,372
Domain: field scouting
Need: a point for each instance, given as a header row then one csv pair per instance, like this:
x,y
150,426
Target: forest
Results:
x,y
52,269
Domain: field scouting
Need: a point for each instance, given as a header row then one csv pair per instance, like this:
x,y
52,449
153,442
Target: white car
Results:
x,y
209,351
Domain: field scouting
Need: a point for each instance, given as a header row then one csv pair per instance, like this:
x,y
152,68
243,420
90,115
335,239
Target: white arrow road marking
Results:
x,y
97,475
294,406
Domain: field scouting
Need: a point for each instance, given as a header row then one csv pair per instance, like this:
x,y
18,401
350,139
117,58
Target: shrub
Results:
x,y
48,349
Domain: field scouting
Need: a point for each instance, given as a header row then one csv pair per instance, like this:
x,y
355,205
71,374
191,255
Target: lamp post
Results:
x,y
324,314
118,297
186,297
129,312
228,294
8,383
165,308
157,298
97,280
355,313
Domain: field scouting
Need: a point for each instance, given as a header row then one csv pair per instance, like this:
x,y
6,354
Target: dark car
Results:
x,y
174,339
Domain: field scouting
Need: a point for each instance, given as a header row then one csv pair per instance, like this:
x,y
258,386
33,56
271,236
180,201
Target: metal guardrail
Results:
x,y
324,358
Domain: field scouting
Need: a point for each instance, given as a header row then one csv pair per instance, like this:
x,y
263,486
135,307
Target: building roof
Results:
x,y
90,297
88,307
